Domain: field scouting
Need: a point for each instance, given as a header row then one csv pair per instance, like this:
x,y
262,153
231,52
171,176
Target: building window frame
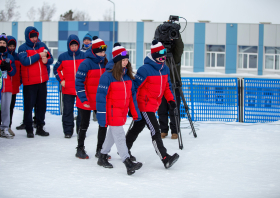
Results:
x,y
213,54
275,58
188,52
242,61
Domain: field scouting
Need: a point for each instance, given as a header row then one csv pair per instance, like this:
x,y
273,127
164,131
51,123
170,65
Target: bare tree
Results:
x,y
81,16
108,15
31,14
9,13
46,12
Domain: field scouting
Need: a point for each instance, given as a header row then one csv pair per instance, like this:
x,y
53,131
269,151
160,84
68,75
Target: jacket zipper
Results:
x,y
124,91
74,66
100,69
160,82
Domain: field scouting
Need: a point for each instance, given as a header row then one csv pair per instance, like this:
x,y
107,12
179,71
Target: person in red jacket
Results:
x,y
152,82
8,68
87,79
115,94
12,44
34,57
65,71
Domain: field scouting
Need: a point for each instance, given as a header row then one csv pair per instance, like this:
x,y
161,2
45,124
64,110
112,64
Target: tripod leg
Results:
x,y
177,122
187,111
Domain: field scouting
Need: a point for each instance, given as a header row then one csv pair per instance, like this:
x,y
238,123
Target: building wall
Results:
x,y
198,35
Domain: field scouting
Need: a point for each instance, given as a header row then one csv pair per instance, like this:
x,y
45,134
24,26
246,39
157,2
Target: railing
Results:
x,y
208,99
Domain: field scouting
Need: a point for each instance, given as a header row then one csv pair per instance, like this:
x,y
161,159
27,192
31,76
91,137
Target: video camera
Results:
x,y
168,31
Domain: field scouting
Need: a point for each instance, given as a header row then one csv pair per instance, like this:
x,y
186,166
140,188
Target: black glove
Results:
x,y
5,66
172,105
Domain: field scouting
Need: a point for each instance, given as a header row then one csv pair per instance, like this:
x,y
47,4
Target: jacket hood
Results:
x,y
10,38
150,61
29,30
89,54
110,66
71,38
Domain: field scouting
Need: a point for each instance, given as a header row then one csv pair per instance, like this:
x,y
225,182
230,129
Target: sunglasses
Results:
x,y
162,51
124,53
3,36
103,47
163,58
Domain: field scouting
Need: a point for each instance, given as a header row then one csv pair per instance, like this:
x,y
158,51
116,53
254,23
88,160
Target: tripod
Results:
x,y
173,70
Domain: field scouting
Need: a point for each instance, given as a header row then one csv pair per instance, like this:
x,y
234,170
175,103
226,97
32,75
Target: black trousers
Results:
x,y
35,94
13,102
163,112
149,119
85,119
67,116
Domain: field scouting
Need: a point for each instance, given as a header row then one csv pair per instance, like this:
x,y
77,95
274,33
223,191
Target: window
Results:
x,y
272,58
147,48
215,56
187,56
53,47
248,57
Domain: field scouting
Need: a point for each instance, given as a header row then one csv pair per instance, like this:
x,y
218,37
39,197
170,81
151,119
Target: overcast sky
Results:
x,y
232,11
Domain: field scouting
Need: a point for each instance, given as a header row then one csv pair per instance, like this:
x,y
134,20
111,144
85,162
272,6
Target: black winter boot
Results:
x,y
97,154
81,153
131,166
132,158
168,160
103,161
30,134
40,131
21,126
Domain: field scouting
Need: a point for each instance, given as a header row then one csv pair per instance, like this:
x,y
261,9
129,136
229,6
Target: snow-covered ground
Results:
x,y
226,160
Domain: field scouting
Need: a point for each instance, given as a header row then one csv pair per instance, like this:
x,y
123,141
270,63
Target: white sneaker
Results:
x,y
5,133
11,132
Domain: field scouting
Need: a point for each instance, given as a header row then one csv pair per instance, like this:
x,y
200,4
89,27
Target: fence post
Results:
x,y
192,99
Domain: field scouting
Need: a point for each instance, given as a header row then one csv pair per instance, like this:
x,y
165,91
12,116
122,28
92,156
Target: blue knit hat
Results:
x,y
87,36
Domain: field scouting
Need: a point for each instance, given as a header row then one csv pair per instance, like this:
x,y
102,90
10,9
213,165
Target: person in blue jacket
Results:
x,y
65,71
34,57
115,95
8,68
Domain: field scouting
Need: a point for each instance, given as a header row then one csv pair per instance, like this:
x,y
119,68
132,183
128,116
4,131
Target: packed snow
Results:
x,y
225,160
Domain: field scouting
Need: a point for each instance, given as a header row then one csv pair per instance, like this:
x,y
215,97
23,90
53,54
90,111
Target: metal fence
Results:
x,y
53,97
213,99
208,99
260,100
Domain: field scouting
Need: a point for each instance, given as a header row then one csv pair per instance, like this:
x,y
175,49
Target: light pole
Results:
x,y
113,23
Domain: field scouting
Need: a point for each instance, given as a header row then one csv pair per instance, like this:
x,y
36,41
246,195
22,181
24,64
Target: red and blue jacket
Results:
x,y
114,98
7,82
87,79
33,70
152,81
67,66
16,82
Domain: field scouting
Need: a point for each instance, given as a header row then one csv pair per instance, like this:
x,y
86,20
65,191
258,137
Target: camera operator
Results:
x,y
176,49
